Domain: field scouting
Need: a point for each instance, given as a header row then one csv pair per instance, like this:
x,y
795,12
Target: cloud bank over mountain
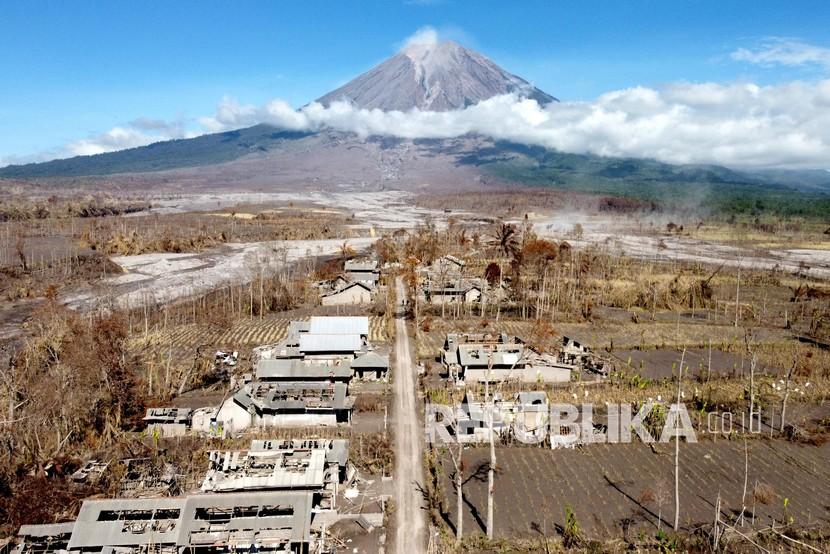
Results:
x,y
740,125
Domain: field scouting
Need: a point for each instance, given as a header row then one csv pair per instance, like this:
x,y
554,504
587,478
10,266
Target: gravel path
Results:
x,y
409,512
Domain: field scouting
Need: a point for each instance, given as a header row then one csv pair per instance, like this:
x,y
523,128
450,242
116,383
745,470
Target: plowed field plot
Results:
x,y
626,486
647,334
247,333
181,341
601,335
663,363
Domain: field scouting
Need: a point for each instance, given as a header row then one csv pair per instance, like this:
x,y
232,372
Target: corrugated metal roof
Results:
x,y
90,531
339,325
310,343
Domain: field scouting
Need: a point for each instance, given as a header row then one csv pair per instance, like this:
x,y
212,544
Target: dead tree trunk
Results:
x,y
491,472
677,446
786,396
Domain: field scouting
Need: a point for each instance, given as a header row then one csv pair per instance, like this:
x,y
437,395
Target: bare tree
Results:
x,y
677,446
787,394
20,249
491,472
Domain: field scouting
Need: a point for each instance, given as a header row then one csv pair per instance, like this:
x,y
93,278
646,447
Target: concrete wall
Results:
x,y
167,429
526,375
233,417
296,420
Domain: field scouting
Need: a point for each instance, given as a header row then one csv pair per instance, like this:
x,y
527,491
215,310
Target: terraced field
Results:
x,y
615,489
248,333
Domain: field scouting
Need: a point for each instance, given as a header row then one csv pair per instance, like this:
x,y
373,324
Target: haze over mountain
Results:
x,y
434,76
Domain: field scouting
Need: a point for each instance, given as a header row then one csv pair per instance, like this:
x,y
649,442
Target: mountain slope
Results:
x,y
435,77
160,156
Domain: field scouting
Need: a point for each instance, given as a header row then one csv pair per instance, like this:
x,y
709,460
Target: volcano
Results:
x,y
433,77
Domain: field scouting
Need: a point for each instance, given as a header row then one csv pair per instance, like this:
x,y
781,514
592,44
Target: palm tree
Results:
x,y
506,240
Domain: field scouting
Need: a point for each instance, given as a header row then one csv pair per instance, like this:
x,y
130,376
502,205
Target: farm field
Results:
x,y
662,363
250,333
622,489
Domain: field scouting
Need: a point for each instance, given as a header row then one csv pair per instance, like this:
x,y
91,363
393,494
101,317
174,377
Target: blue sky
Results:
x,y
71,70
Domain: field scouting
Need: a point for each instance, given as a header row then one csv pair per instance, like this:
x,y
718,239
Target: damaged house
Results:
x,y
255,522
292,403
478,357
168,422
356,285
362,271
317,465
304,380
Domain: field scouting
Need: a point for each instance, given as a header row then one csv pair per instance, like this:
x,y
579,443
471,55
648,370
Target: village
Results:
x,y
367,401
287,494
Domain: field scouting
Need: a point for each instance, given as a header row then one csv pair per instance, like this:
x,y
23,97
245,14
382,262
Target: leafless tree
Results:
x,y
677,445
787,383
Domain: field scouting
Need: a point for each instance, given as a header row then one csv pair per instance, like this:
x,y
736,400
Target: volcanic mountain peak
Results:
x,y
432,76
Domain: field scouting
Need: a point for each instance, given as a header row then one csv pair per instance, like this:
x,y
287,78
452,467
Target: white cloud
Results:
x,y
117,138
738,124
741,124
139,132
784,51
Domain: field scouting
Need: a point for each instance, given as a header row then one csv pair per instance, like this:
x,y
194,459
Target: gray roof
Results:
x,y
293,395
298,370
180,521
310,343
339,325
364,277
371,360
45,530
94,530
297,327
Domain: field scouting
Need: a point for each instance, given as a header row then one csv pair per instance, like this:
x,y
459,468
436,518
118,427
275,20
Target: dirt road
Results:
x,y
409,514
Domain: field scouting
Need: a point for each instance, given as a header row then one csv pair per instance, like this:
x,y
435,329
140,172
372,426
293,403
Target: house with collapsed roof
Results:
x,y
355,286
525,417
317,465
253,522
479,357
304,380
291,403
168,422
463,291
447,265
